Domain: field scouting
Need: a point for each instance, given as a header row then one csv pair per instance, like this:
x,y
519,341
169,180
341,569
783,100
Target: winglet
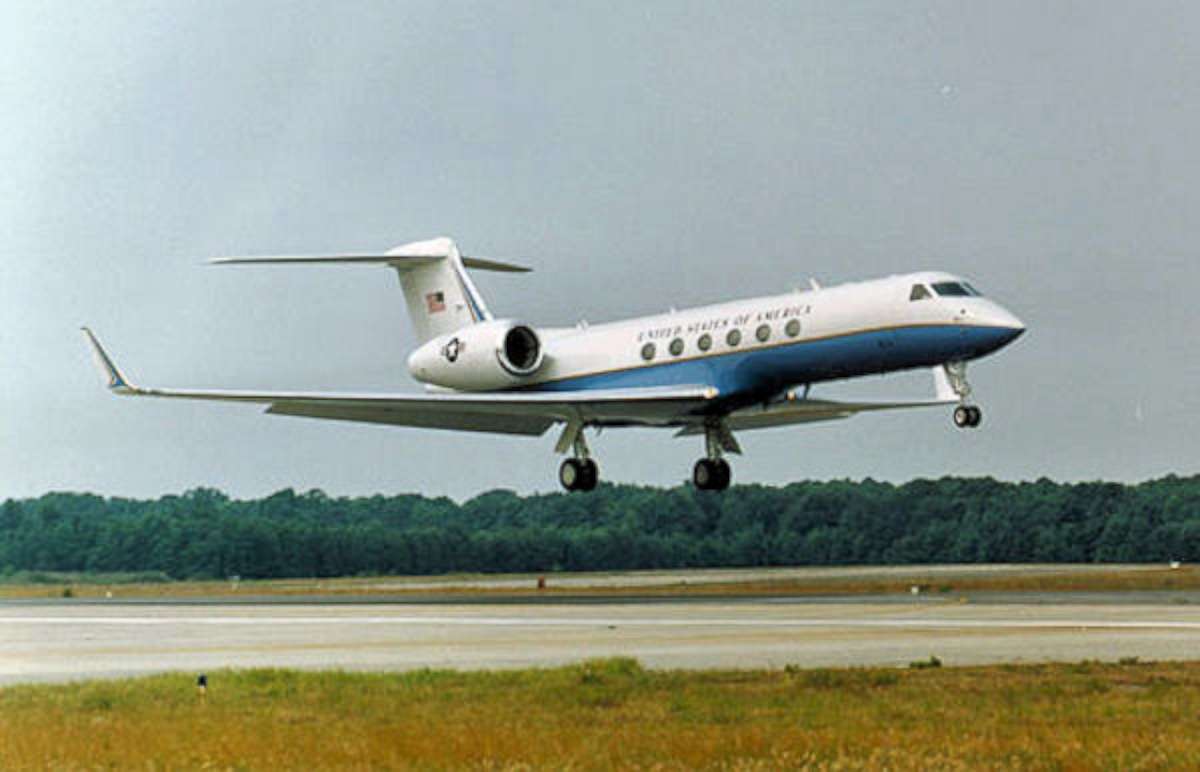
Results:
x,y
116,382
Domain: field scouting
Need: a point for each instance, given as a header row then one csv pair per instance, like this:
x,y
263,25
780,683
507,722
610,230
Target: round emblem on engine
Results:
x,y
452,349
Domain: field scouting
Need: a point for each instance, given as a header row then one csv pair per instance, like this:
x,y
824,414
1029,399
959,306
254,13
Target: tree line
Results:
x,y
206,534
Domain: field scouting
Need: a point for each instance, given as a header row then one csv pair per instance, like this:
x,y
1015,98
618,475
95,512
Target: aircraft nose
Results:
x,y
1005,320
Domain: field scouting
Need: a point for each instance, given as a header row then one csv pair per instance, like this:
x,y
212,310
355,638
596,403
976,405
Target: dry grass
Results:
x,y
613,714
1119,579
1041,579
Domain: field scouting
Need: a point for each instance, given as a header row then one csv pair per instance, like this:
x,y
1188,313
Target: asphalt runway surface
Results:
x,y
58,640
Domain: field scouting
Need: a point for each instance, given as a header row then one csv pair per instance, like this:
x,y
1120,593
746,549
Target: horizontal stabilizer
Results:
x,y
439,293
484,264
396,261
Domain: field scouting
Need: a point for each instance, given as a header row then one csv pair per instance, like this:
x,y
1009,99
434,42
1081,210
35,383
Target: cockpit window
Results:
x,y
919,292
954,289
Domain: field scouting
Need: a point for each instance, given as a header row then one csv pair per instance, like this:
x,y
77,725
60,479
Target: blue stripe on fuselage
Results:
x,y
463,284
765,371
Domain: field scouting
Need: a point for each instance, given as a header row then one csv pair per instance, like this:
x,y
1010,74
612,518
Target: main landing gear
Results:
x,y
712,473
580,472
966,416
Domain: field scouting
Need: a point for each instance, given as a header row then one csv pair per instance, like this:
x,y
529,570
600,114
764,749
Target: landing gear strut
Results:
x,y
712,473
966,415
580,472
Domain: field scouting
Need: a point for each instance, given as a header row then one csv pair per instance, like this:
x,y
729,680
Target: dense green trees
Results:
x,y
204,533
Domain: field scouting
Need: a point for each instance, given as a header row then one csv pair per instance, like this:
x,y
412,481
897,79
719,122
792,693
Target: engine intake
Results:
x,y
521,353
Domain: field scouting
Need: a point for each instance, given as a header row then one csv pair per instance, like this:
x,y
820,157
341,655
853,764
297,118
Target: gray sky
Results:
x,y
639,156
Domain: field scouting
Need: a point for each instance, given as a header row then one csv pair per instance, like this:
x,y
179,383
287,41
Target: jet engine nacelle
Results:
x,y
491,355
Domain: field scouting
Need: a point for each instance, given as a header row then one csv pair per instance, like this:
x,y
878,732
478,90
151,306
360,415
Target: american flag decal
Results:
x,y
435,301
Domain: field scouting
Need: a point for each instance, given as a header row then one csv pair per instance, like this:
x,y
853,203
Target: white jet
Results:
x,y
711,371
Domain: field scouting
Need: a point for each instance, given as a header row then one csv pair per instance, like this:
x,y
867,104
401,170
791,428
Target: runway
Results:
x,y
64,640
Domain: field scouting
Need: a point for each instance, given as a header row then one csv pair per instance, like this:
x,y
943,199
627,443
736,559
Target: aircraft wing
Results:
x,y
529,413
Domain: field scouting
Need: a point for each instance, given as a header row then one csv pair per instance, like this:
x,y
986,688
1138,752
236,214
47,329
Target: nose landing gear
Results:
x,y
966,416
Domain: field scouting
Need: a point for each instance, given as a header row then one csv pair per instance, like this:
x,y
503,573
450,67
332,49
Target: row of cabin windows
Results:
x,y
733,339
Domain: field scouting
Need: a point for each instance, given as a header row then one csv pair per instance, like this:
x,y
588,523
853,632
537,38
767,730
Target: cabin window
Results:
x,y
648,351
705,342
919,292
677,347
951,289
792,328
734,337
763,333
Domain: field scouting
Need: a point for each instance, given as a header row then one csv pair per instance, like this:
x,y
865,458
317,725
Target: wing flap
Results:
x,y
417,417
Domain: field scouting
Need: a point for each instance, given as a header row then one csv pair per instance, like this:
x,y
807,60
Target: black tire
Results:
x,y
590,475
976,417
570,474
962,416
711,474
724,475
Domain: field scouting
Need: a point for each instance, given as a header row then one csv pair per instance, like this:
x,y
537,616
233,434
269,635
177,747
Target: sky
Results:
x,y
638,155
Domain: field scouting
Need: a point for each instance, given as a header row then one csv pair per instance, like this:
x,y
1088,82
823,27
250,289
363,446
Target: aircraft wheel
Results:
x,y
724,475
570,474
590,475
967,416
579,474
711,474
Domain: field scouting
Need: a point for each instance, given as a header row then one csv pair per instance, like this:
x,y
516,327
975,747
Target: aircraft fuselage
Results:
x,y
751,349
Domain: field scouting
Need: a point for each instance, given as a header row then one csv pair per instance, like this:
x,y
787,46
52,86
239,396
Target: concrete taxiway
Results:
x,y
64,640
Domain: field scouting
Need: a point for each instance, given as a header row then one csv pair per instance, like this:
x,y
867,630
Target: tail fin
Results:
x,y
440,295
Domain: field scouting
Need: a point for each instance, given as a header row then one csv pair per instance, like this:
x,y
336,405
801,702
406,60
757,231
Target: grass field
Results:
x,y
944,582
613,714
